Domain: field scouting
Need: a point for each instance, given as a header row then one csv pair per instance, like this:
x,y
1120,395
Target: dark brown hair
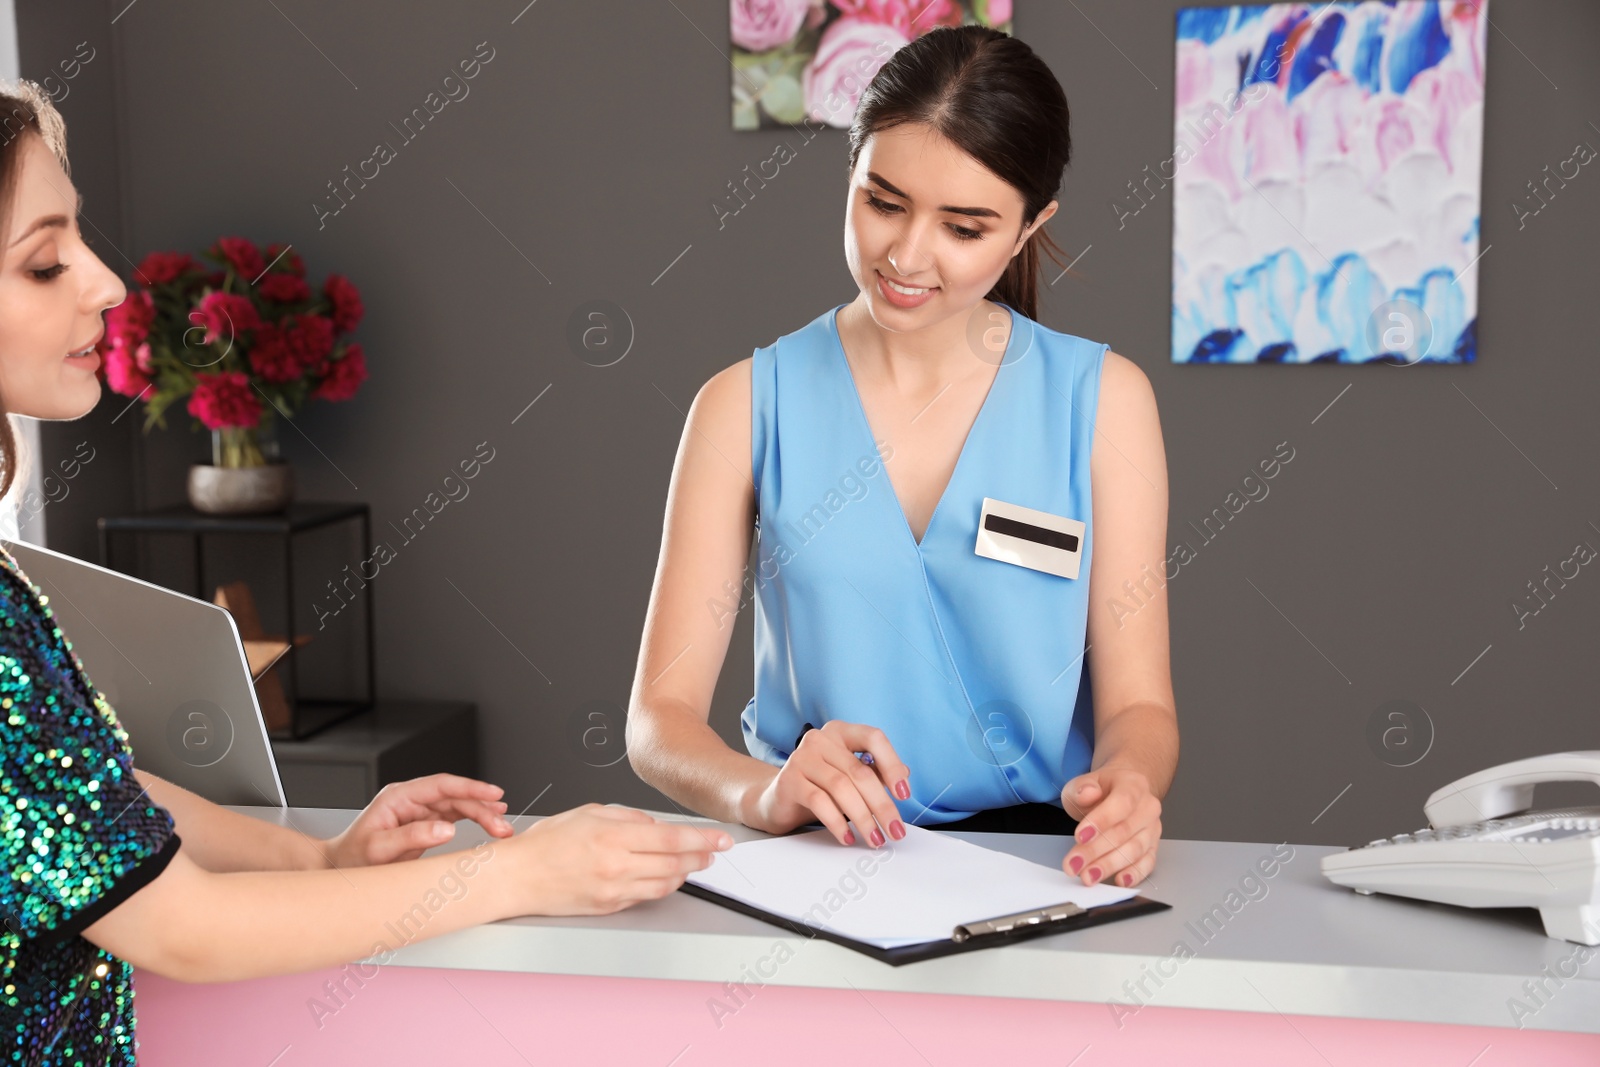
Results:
x,y
991,96
25,110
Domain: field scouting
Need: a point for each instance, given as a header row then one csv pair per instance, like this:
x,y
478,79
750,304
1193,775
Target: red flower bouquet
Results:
x,y
241,333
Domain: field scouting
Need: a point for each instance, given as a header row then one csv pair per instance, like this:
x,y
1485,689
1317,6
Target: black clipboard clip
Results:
x,y
1004,924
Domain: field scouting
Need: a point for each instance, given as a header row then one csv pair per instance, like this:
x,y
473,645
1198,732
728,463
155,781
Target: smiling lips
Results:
x,y
903,296
902,287
79,353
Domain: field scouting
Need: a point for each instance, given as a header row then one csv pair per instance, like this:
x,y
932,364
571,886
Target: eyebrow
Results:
x,y
46,222
976,212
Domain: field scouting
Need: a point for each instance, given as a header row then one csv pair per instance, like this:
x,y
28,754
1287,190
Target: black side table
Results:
x,y
308,715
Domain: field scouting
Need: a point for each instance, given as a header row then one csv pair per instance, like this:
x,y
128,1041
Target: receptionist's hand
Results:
x,y
824,780
1119,826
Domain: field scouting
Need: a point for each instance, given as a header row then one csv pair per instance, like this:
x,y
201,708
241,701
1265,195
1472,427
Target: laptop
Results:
x,y
174,670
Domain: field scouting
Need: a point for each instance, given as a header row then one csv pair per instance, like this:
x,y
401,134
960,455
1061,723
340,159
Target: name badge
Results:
x,y
1038,540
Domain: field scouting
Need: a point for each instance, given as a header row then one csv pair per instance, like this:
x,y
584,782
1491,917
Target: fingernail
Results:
x,y
876,838
1094,875
442,829
1126,879
1086,833
902,789
896,831
849,837
724,841
1076,863
502,823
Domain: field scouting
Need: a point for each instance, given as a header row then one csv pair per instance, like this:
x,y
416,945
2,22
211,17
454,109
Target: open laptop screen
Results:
x,y
174,670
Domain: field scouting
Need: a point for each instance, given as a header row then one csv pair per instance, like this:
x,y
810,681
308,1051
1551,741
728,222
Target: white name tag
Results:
x,y
1034,539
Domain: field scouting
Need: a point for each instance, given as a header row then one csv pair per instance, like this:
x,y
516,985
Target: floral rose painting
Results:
x,y
809,60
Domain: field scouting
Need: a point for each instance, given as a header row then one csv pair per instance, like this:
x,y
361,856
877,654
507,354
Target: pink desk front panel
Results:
x,y
414,1015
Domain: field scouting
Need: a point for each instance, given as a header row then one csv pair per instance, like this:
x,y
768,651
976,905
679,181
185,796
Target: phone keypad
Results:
x,y
1525,829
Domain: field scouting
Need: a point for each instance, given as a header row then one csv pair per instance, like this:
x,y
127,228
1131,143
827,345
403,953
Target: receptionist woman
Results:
x,y
996,672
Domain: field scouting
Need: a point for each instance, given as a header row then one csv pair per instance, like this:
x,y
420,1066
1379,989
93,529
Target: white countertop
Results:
x,y
1293,943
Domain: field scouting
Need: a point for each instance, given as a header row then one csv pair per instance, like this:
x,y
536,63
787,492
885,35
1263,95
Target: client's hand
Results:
x,y
594,860
407,818
824,780
1119,826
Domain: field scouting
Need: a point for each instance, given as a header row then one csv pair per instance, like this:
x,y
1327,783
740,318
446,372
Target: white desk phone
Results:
x,y
1485,849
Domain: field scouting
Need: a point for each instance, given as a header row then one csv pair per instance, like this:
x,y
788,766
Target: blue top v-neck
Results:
x,y
973,667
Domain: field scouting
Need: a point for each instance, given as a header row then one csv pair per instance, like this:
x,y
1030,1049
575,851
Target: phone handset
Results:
x,y
1498,791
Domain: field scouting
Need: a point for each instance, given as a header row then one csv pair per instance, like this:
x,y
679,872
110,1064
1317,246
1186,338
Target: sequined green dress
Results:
x,y
78,836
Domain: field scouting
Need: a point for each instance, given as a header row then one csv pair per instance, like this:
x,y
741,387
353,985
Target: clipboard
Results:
x,y
921,897
978,934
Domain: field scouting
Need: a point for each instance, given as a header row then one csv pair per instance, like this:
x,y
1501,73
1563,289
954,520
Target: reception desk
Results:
x,y
1283,966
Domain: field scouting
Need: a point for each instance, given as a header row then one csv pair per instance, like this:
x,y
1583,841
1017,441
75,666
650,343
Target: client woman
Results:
x,y
911,663
95,876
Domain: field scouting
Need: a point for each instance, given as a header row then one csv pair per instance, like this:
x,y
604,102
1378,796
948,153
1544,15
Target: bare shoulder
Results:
x,y
718,424
726,393
1123,386
721,410
1126,416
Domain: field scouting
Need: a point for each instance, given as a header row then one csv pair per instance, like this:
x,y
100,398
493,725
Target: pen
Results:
x,y
864,757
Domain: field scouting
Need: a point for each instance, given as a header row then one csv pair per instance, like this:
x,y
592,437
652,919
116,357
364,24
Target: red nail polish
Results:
x,y
1076,863
1127,879
849,837
876,838
902,789
896,831
1086,834
1094,875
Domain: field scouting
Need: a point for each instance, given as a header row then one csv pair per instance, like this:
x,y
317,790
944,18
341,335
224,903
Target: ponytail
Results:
x,y
1018,287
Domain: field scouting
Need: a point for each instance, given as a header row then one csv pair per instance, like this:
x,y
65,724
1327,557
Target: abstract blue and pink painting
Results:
x,y
1326,182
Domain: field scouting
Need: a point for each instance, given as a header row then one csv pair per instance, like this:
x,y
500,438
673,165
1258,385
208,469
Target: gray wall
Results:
x,y
586,160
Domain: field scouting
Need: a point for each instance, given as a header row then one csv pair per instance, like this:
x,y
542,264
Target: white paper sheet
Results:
x,y
907,892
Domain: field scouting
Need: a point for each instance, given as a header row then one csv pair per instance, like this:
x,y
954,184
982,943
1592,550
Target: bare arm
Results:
x,y
222,840
202,926
1129,656
698,590
705,544
219,910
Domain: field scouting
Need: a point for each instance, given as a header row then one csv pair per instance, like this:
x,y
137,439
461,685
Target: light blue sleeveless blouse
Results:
x,y
974,668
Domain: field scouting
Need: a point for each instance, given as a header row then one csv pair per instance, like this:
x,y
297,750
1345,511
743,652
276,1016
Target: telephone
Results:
x,y
1483,848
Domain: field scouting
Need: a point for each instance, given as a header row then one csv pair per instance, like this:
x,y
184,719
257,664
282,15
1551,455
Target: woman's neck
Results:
x,y
944,351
